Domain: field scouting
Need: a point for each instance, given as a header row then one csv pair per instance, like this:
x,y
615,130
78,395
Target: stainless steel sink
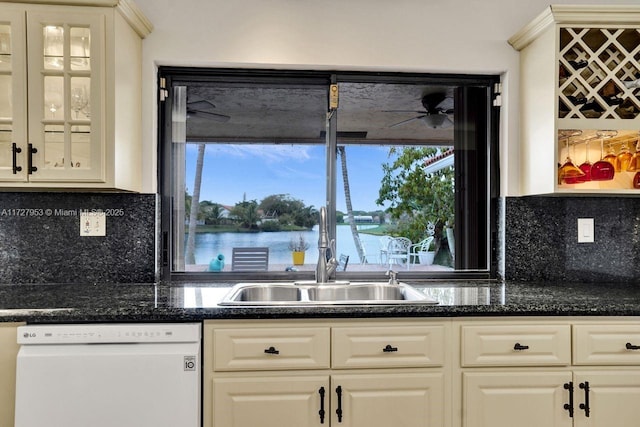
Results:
x,y
264,293
358,292
305,293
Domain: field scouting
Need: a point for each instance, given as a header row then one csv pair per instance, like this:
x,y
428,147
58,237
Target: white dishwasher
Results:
x,y
108,375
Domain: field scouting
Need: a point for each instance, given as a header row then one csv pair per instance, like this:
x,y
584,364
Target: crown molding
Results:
x,y
134,16
127,8
577,15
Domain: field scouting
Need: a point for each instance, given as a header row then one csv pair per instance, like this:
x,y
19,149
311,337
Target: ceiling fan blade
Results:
x,y
208,115
407,121
200,104
438,121
446,105
447,123
437,102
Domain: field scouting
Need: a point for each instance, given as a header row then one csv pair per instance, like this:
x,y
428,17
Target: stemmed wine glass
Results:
x,y
586,165
578,179
79,99
634,163
611,155
603,170
624,158
568,168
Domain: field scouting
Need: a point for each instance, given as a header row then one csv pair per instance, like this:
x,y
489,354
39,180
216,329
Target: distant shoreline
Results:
x,y
380,230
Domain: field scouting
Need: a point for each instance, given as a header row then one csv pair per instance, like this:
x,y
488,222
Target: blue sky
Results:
x,y
231,171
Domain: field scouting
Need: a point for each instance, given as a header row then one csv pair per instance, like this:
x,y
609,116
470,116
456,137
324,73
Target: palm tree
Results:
x,y
347,197
190,257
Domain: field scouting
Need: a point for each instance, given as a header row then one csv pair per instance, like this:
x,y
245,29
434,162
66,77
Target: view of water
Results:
x,y
209,245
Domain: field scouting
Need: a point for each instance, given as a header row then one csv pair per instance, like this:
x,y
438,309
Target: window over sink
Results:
x,y
405,163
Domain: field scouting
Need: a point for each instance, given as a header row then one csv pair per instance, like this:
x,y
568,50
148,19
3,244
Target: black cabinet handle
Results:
x,y
32,150
339,410
15,150
630,346
569,406
585,405
271,350
520,347
321,411
389,349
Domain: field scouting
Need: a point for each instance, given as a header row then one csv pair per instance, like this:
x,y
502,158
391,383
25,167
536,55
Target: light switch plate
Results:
x,y
585,230
93,224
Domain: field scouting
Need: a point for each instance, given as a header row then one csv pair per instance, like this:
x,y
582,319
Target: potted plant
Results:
x,y
427,253
298,246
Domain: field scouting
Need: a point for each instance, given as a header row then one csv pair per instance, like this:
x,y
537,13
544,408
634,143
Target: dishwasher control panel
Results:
x,y
108,333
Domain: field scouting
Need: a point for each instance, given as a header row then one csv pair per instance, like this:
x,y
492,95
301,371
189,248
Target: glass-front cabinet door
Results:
x,y
65,94
13,106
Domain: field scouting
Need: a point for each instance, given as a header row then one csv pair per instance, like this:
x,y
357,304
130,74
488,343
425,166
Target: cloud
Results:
x,y
276,153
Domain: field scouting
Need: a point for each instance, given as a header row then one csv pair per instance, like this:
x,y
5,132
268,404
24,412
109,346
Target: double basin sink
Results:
x,y
333,293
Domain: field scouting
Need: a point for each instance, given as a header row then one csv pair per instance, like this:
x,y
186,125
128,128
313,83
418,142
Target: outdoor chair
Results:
x,y
384,248
342,262
398,251
421,246
250,259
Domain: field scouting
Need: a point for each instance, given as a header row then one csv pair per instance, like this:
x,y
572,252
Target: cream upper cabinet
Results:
x,y
72,75
580,100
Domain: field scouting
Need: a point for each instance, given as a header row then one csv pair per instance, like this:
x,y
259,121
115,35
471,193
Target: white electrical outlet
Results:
x,y
585,230
93,224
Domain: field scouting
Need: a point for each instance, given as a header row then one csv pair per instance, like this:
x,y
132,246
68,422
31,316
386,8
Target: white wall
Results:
x,y
459,36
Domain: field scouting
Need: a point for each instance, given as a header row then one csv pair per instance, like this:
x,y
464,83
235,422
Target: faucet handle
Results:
x,y
393,277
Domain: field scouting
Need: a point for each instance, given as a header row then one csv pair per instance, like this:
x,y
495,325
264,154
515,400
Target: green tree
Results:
x,y
306,217
210,212
187,201
246,212
289,210
417,198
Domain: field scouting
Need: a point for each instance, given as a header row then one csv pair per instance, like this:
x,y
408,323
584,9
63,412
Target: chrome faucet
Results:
x,y
327,262
393,277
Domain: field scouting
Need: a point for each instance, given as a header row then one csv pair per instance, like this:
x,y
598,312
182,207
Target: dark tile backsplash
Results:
x,y
541,239
40,238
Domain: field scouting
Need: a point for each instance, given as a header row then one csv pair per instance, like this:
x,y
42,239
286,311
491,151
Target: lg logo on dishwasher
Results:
x,y
190,363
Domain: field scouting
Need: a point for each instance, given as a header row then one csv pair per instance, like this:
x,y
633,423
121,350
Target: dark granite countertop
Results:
x,y
72,303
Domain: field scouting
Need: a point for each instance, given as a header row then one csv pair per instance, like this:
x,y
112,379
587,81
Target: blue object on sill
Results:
x,y
217,263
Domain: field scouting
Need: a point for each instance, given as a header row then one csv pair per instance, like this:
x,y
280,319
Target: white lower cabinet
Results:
x,y
270,401
607,398
511,376
352,400
341,373
464,372
543,399
508,399
414,399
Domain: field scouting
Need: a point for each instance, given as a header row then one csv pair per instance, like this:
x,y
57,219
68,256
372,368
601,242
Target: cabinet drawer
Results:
x,y
606,344
270,349
383,347
516,345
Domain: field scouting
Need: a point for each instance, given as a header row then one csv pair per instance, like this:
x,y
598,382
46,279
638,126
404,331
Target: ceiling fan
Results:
x,y
437,109
202,109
